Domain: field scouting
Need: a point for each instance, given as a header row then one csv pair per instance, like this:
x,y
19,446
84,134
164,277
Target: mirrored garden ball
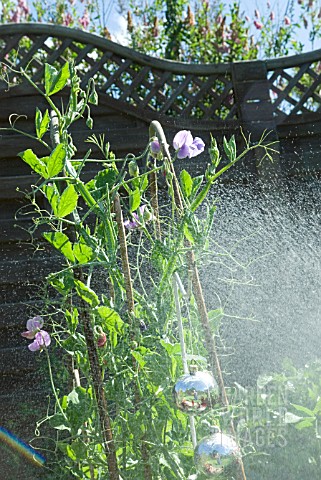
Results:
x,y
218,456
196,393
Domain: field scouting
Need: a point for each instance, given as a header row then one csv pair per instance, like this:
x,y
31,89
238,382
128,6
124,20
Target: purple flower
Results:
x,y
33,326
137,218
186,146
84,20
41,337
258,25
287,21
155,146
67,19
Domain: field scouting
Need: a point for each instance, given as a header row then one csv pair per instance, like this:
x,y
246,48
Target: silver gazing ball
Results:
x,y
196,393
218,456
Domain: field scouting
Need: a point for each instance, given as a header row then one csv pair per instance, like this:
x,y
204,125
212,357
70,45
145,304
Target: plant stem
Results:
x,y
124,256
156,127
53,385
154,199
95,368
96,374
130,308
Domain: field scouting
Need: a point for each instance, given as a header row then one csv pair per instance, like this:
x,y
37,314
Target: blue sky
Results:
x,y
117,24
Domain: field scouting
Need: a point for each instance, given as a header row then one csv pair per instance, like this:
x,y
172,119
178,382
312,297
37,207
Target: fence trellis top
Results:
x,y
153,88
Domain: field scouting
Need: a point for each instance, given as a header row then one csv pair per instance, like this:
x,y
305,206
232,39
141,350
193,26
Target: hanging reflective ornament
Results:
x,y
218,456
196,392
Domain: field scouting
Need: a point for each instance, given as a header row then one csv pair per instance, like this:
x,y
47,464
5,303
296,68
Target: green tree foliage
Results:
x,y
212,32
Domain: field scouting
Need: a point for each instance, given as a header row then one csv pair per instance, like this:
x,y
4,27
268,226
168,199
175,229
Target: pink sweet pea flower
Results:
x,y
186,146
34,325
42,340
41,337
258,24
144,215
287,21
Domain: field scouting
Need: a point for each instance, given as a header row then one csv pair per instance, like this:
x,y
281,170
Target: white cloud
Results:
x,y
117,25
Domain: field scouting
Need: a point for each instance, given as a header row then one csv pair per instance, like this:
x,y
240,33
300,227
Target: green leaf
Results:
x,y
56,161
226,148
171,348
63,282
78,409
186,183
58,422
112,320
82,252
230,148
143,183
214,152
72,320
55,80
188,234
42,122
73,397
67,202
52,195
134,200
86,293
61,242
81,450
306,410
201,196
106,177
173,367
317,408
197,182
139,358
306,423
34,162
71,454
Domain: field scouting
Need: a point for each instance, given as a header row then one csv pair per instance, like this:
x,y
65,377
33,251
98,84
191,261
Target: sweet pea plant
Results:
x,y
112,318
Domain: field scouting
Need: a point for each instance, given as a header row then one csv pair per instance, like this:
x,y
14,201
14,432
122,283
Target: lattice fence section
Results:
x,y
207,97
296,90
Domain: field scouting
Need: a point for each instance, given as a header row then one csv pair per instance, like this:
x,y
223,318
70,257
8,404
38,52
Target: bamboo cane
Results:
x,y
130,308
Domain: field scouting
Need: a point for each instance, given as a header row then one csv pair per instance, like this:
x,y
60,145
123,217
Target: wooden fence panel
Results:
x,y
282,96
